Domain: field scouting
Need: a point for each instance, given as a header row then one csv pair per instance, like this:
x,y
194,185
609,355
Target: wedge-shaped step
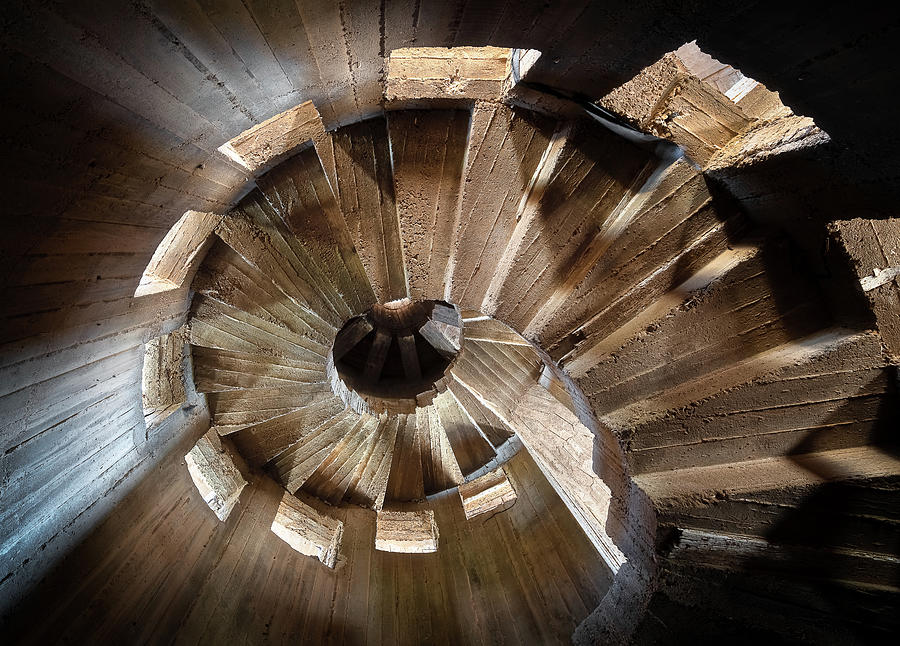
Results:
x,y
273,213
331,479
440,469
559,234
594,347
492,492
827,391
369,482
470,447
415,74
176,255
756,304
489,424
265,142
212,468
506,146
698,118
499,373
428,150
354,332
410,532
405,482
685,487
233,410
308,531
294,465
299,192
230,328
217,369
444,338
747,499
366,193
227,277
492,330
162,377
672,218
255,230
261,442
717,550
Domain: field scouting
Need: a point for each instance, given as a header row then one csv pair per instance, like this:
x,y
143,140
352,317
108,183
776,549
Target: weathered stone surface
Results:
x,y
505,149
417,73
698,118
428,153
163,378
412,532
638,99
564,449
174,258
492,492
663,235
212,468
745,310
365,190
828,391
308,531
873,247
767,140
265,142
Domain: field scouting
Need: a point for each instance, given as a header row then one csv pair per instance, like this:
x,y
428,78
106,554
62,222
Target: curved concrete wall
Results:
x,y
112,130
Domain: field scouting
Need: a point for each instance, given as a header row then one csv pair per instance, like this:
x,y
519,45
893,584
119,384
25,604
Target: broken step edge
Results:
x,y
492,492
260,147
211,464
406,532
307,531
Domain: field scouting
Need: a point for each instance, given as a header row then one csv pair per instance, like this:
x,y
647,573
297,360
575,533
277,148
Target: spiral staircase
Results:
x,y
501,291
683,328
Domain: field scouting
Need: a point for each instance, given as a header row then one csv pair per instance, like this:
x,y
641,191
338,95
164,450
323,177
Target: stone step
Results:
x,y
232,410
300,193
505,149
752,305
428,152
406,482
666,220
227,277
249,231
215,324
675,488
260,443
470,447
211,463
369,483
272,213
307,530
588,176
489,425
332,478
293,466
365,191
217,370
828,391
440,468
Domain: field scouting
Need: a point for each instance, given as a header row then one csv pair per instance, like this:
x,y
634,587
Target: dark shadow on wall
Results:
x,y
856,523
828,571
796,194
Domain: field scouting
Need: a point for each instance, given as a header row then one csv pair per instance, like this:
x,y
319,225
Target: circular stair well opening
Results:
x,y
395,355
